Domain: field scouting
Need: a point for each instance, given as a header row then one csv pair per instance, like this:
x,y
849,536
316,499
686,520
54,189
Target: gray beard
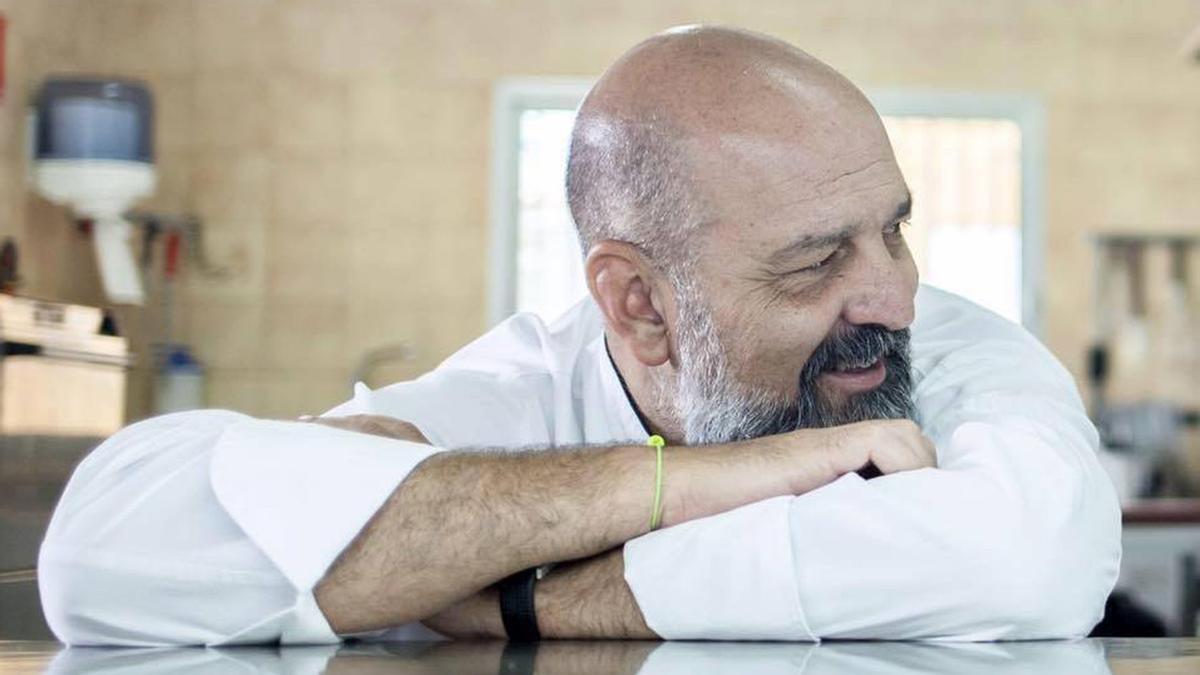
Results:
x,y
715,408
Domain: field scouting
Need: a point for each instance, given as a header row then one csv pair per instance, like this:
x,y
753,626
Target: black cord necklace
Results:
x,y
625,388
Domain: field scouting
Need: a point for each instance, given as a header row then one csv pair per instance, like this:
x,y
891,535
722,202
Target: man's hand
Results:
x,y
890,446
377,425
798,461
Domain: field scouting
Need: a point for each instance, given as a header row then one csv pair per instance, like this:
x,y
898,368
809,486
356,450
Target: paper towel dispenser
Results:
x,y
92,150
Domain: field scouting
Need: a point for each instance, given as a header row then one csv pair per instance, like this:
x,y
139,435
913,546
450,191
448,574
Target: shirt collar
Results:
x,y
645,423
618,406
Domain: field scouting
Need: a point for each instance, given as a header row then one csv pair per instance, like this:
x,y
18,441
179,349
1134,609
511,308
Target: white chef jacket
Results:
x,y
212,527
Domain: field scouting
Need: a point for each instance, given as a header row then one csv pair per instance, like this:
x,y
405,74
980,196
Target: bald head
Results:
x,y
683,109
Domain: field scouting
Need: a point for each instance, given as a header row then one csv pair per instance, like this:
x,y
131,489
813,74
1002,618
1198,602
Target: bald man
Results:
x,y
847,455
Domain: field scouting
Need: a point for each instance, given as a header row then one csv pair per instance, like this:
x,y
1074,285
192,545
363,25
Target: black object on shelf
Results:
x,y
9,260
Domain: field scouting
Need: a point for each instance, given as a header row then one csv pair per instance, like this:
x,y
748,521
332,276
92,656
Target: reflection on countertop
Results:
x,y
1103,656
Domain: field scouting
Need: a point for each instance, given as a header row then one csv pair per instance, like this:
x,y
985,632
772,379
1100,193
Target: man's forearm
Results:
x,y
461,521
583,599
589,599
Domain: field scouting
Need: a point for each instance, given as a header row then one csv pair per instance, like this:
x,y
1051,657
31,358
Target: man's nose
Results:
x,y
881,291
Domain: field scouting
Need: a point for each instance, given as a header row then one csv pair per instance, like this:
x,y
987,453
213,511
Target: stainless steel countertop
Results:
x,y
881,658
33,472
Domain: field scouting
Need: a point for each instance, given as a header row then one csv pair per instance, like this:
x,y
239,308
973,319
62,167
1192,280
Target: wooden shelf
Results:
x,y
1162,512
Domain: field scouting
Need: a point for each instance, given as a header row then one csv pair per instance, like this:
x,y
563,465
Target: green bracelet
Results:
x,y
657,443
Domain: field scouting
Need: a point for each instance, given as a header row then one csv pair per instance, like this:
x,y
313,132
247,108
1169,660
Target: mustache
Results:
x,y
855,347
852,348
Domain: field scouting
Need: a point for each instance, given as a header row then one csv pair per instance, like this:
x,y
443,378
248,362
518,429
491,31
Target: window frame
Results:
x,y
512,96
1029,114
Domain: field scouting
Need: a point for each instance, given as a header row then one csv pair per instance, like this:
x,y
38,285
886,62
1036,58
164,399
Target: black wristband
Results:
x,y
516,606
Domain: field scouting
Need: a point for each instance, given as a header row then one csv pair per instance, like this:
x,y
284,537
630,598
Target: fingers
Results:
x,y
335,422
930,451
376,425
899,445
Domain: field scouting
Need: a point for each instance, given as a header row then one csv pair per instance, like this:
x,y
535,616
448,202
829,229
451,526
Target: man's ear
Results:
x,y
619,278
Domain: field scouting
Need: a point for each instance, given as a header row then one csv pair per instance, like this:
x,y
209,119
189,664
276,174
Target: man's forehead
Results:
x,y
790,162
789,186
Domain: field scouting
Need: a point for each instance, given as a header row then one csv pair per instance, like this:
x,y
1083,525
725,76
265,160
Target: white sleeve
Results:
x,y
210,527
1015,535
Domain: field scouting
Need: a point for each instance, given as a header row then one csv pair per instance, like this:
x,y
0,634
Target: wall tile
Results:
x,y
138,36
236,251
385,318
307,333
390,261
389,117
311,191
308,115
239,389
288,393
311,36
172,191
234,34
376,115
417,194
229,188
230,114
306,262
174,114
390,36
225,335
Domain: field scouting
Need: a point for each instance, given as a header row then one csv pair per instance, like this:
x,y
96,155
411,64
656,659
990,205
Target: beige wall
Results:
x,y
338,150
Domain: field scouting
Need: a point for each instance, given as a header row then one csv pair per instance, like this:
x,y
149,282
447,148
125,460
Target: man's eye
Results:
x,y
817,266
895,229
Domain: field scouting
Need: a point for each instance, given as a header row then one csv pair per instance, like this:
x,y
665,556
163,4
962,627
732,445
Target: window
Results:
x,y
549,261
973,164
965,177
